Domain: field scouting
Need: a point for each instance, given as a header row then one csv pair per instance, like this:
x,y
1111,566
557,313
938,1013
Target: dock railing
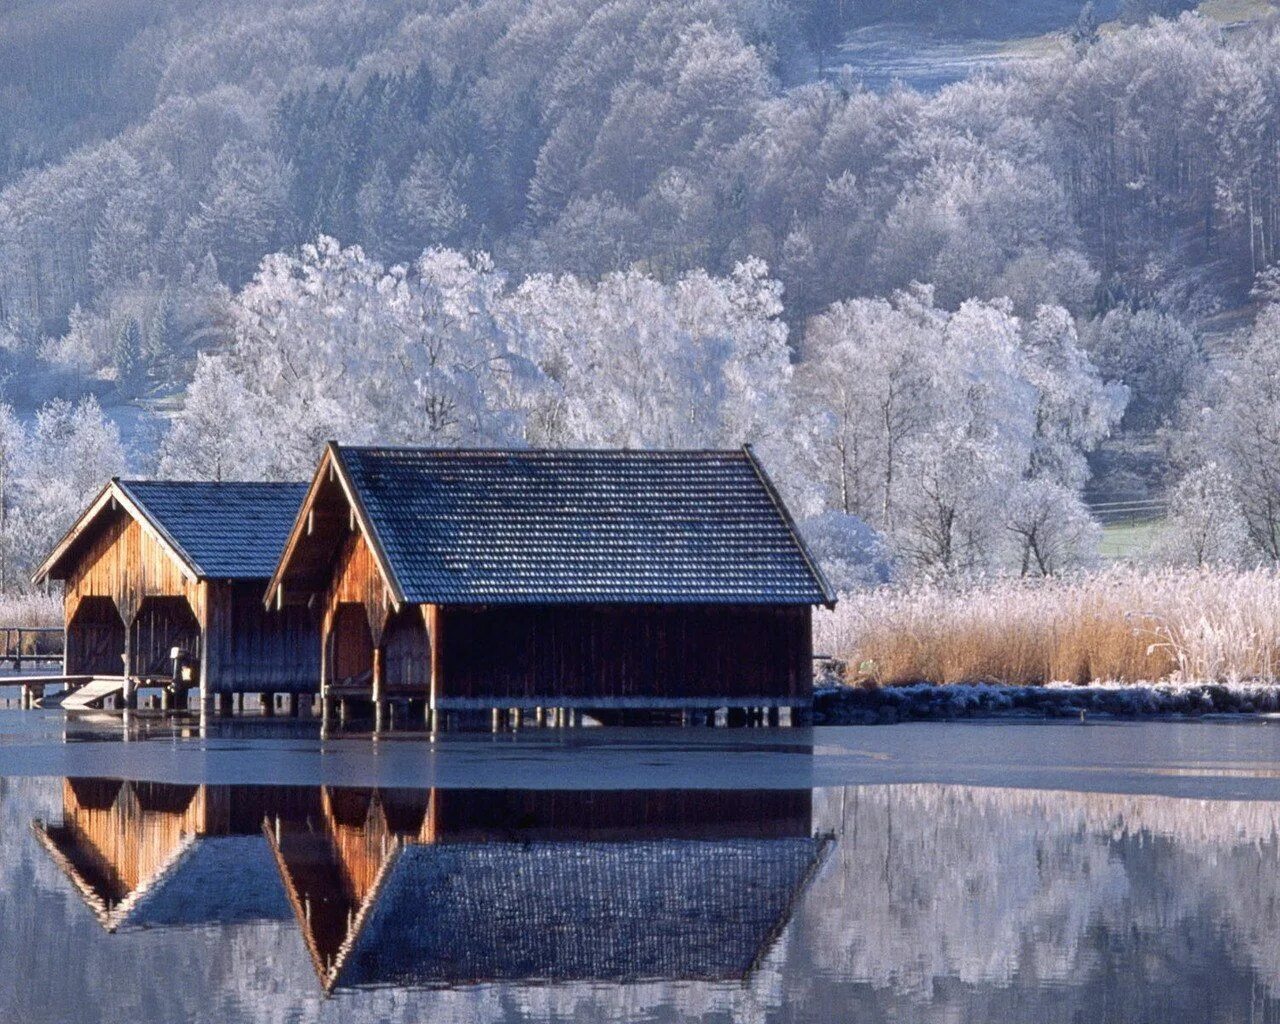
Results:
x,y
30,646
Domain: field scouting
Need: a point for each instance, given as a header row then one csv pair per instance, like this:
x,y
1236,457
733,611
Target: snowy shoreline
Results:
x,y
847,705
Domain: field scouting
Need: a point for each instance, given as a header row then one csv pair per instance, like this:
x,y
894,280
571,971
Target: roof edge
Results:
x,y
116,490
828,594
367,524
166,538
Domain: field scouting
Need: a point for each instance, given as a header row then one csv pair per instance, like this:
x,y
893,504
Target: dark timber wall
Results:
x,y
253,649
625,655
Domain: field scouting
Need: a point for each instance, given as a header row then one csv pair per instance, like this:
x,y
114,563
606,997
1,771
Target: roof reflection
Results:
x,y
418,887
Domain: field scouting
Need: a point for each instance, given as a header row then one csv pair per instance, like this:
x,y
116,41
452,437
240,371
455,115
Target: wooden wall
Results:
x,y
665,653
253,649
357,580
352,645
127,564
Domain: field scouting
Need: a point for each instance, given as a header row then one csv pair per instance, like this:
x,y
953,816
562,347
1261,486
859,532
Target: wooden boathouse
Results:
x,y
154,566
555,583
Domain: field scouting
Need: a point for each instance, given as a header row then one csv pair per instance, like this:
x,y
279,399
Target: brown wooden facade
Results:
x,y
130,598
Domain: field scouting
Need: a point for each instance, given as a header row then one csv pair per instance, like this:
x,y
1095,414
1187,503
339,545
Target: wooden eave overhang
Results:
x,y
333,468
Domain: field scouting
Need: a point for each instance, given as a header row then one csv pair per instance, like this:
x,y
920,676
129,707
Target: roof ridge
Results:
x,y
211,483
607,452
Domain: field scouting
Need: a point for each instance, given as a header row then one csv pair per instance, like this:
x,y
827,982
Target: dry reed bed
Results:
x,y
1121,625
34,609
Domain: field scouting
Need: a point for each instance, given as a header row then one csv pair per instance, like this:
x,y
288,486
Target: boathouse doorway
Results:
x,y
407,653
95,639
163,623
352,646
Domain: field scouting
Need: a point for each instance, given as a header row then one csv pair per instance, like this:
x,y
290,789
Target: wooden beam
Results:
x,y
431,616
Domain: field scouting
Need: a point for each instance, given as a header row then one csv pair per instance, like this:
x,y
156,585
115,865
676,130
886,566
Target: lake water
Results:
x,y
249,871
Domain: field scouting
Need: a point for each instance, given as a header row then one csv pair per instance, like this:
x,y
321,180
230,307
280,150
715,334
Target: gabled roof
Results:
x,y
548,527
214,529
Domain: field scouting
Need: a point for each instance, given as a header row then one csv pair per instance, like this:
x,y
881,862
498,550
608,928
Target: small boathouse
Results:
x,y
554,583
157,566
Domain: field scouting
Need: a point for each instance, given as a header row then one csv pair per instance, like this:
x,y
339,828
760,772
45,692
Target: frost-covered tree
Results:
x,y
329,343
635,362
1050,528
1235,424
13,455
1205,525
932,425
851,553
66,456
1153,353
863,385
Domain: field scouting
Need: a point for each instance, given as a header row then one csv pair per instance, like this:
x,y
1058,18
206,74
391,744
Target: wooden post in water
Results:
x,y
268,701
291,705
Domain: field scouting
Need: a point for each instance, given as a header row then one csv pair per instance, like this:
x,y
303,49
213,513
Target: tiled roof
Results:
x,y
577,911
220,880
225,530
494,527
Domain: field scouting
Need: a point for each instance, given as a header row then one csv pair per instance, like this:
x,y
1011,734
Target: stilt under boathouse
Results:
x,y
552,584
158,568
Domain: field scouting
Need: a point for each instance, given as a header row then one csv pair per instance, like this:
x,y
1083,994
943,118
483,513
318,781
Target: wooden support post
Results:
x,y
379,686
166,699
268,701
775,718
224,702
291,705
25,699
517,718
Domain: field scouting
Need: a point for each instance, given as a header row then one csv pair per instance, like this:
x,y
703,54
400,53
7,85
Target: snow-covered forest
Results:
x,y
242,228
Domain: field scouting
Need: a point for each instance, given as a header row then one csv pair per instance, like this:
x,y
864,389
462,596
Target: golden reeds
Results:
x,y
1123,625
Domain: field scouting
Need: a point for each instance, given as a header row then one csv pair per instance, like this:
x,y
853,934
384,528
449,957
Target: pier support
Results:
x,y
268,701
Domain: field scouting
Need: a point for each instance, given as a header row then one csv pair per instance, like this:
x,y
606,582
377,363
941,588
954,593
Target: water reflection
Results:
x,y
443,887
921,903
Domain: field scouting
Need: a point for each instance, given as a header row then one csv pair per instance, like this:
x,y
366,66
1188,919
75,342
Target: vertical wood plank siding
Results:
x,y
95,638
665,652
276,649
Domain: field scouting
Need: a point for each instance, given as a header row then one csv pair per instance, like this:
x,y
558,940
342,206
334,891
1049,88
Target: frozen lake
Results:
x,y
933,872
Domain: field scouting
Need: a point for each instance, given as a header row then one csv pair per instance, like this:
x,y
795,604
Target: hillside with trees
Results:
x,y
940,315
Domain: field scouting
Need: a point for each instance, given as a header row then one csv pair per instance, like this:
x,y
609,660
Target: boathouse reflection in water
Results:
x,y
418,887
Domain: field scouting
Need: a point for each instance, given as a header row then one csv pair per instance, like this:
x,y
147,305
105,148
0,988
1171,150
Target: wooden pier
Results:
x,y
31,646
